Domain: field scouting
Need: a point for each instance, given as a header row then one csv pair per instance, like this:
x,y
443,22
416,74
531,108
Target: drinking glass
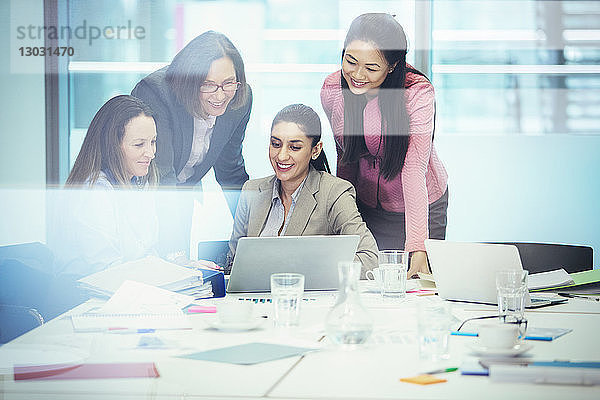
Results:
x,y
434,320
393,265
287,290
511,287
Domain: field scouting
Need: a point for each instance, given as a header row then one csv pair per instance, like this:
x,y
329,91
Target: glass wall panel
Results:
x,y
517,67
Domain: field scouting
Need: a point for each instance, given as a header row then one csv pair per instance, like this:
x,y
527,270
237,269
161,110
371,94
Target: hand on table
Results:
x,y
180,259
204,264
418,263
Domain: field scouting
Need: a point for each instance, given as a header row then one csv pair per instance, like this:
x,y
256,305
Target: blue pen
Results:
x,y
458,333
542,338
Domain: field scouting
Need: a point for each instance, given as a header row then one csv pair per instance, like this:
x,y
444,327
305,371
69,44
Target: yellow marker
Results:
x,y
424,379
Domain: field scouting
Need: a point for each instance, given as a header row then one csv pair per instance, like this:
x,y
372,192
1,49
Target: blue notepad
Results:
x,y
545,334
471,366
249,353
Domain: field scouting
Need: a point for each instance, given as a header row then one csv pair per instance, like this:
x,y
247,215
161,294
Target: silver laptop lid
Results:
x,y
467,271
317,257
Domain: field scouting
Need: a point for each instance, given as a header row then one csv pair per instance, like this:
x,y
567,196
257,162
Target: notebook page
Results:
x,y
137,297
115,322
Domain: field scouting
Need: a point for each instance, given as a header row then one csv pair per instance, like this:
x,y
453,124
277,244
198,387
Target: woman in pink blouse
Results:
x,y
381,111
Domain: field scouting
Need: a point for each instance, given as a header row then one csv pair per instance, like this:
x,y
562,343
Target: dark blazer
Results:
x,y
175,131
326,206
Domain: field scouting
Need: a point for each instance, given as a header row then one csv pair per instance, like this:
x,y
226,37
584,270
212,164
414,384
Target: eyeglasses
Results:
x,y
507,319
213,87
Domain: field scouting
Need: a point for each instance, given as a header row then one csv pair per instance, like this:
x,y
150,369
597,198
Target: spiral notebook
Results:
x,y
116,322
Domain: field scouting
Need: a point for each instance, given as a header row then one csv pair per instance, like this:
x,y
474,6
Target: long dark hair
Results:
x,y
188,70
101,148
309,122
387,35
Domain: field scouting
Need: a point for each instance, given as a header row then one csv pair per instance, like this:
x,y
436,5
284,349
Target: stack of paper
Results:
x,y
584,282
556,372
153,271
544,280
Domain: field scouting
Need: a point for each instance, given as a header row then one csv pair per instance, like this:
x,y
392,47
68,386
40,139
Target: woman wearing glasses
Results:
x,y
381,112
302,198
202,105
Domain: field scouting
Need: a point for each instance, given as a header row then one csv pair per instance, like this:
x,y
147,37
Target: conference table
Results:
x,y
369,371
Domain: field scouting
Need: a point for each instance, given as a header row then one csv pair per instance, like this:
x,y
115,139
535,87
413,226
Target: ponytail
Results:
x,y
320,163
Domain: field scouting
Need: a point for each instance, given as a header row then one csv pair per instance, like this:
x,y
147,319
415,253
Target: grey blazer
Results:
x,y
326,206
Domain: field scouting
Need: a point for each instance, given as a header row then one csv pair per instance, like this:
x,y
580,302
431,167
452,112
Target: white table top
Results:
x,y
371,371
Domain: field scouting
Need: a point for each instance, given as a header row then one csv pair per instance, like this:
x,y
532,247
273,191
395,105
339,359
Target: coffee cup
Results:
x,y
374,275
499,336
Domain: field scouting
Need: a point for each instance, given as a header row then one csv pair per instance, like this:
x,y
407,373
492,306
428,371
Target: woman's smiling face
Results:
x,y
221,72
290,152
138,145
364,68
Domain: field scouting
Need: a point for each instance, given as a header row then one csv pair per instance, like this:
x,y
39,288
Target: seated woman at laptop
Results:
x,y
114,219
302,198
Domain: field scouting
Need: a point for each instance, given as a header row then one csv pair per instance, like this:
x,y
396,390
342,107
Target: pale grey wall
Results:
x,y
523,188
22,136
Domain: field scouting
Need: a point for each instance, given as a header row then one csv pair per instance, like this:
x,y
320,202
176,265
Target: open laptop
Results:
x,y
316,257
466,271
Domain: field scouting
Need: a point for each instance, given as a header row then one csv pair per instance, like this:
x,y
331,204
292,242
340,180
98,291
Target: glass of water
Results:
x,y
393,266
287,290
434,320
511,287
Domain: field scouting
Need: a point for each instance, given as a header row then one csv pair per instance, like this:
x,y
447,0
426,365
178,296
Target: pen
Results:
x,y
576,296
440,371
458,333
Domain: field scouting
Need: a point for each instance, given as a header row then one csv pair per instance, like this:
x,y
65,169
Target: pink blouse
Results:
x,y
423,179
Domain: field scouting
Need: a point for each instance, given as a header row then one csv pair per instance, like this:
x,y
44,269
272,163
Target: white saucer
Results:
x,y
235,326
39,355
500,352
371,287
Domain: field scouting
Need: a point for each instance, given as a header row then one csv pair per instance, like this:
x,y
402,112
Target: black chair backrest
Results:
x,y
540,257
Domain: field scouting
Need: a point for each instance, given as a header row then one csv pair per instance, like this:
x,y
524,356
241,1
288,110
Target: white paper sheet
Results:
x,y
136,297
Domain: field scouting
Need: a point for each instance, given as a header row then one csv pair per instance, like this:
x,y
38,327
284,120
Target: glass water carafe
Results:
x,y
348,322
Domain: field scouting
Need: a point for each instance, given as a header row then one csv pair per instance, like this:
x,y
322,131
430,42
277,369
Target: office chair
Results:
x,y
541,257
27,281
17,320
